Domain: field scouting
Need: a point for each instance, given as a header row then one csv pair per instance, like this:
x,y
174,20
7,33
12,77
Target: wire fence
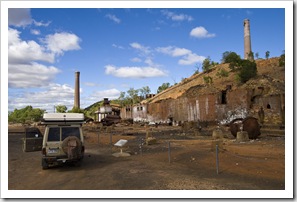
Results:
x,y
141,145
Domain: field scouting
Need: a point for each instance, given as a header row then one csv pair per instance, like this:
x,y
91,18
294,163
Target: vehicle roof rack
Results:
x,y
63,118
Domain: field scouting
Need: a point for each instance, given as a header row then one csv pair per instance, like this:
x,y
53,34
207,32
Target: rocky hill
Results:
x,y
269,73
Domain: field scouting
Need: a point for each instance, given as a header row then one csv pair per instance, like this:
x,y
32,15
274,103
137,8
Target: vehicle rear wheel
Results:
x,y
44,164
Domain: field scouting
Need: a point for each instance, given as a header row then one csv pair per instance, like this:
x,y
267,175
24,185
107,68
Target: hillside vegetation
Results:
x,y
265,67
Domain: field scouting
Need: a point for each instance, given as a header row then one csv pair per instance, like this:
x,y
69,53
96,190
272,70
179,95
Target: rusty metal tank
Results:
x,y
248,124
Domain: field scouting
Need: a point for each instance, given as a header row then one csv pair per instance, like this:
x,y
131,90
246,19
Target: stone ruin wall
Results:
x,y
202,108
237,105
273,106
209,108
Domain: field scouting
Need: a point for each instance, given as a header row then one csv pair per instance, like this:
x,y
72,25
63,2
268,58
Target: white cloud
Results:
x,y
110,94
113,18
54,94
136,59
117,46
134,72
19,17
60,42
150,62
188,58
176,17
173,51
90,84
201,32
180,52
191,59
41,24
24,52
30,75
249,12
35,31
141,48
24,71
145,52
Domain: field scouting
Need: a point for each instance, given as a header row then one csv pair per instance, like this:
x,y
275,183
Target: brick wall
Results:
x,y
220,107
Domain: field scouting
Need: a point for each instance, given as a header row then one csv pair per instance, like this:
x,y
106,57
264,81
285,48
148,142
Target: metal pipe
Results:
x,y
217,158
140,146
169,152
110,141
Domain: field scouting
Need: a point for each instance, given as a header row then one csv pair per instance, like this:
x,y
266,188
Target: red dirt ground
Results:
x,y
254,165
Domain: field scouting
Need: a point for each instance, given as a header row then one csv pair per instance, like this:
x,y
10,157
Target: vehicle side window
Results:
x,y
70,131
53,134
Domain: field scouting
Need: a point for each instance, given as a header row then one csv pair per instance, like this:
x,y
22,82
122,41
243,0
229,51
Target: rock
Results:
x,y
242,136
151,140
217,134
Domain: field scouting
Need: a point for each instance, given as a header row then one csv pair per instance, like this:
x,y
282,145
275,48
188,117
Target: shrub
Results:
x,y
281,61
27,114
222,73
232,58
247,70
206,65
207,79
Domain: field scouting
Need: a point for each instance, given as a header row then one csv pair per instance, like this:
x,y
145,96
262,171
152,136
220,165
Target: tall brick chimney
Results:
x,y
247,40
76,91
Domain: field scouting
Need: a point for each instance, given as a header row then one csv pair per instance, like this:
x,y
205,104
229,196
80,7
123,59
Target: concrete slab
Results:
x,y
121,154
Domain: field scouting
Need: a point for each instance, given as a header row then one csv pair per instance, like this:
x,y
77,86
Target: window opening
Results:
x,y
224,97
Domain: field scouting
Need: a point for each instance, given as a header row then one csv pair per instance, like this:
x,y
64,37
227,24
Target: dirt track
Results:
x,y
254,165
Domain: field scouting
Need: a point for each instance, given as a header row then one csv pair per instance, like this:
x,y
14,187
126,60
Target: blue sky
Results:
x,y
116,49
120,48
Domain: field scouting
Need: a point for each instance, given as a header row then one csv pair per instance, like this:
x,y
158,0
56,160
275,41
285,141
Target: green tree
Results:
x,y
144,91
61,108
229,56
122,99
267,53
133,95
247,70
27,114
232,58
257,55
36,114
197,69
76,110
214,63
251,56
163,87
206,64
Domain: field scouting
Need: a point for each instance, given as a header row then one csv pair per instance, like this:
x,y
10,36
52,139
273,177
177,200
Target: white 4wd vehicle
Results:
x,y
63,140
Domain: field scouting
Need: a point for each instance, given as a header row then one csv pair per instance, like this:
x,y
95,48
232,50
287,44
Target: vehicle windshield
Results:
x,y
60,133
